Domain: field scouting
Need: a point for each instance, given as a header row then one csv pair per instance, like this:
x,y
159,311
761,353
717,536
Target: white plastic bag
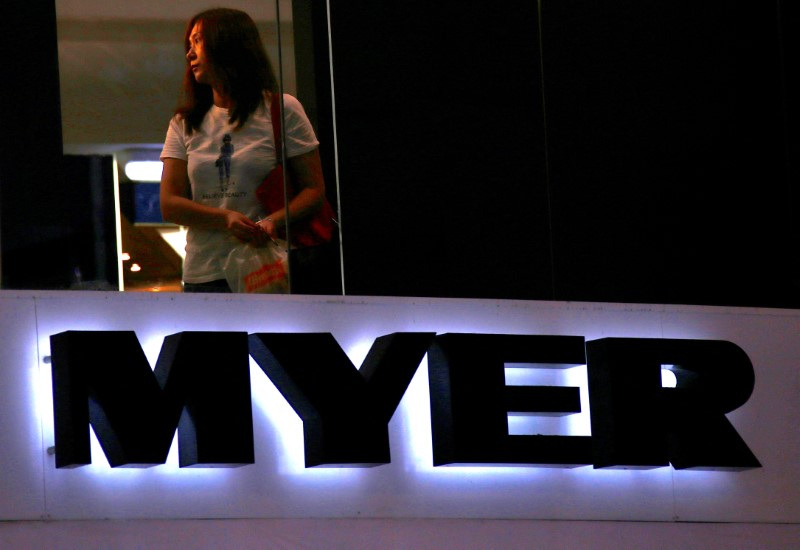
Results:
x,y
263,269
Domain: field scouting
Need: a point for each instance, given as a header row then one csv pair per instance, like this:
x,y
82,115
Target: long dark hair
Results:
x,y
233,46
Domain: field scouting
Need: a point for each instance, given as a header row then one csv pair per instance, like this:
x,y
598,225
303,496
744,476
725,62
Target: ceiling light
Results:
x,y
143,170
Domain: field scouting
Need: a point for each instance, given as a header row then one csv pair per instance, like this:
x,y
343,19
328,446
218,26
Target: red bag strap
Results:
x,y
275,114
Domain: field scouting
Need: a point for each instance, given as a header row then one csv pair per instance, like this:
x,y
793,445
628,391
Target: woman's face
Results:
x,y
198,61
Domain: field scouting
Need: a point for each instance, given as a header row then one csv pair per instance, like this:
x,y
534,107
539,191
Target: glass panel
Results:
x,y
120,72
121,68
312,186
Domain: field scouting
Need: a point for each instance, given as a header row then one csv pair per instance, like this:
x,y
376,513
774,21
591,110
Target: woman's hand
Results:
x,y
177,207
244,229
268,226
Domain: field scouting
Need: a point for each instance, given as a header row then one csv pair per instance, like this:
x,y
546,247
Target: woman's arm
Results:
x,y
177,207
306,171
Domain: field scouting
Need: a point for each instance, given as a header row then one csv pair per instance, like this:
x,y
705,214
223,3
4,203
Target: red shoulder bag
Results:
x,y
314,230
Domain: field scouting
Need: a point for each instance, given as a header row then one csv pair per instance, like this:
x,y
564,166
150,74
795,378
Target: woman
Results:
x,y
219,147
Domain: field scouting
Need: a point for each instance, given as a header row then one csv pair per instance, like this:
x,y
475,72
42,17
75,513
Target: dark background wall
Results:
x,y
611,151
441,148
668,160
634,151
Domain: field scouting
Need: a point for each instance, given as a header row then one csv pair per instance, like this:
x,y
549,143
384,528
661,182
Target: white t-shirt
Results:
x,y
226,166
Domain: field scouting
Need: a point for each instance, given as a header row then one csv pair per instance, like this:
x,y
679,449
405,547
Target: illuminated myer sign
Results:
x,y
201,386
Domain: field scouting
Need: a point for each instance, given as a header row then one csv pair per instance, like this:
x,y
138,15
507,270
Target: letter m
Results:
x,y
201,385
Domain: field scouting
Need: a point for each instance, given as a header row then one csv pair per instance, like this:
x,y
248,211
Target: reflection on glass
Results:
x,y
121,69
218,148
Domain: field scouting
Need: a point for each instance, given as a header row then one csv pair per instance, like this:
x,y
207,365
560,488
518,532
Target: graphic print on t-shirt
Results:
x,y
223,163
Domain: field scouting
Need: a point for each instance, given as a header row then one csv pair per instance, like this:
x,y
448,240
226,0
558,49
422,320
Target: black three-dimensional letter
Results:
x,y
345,411
470,401
104,379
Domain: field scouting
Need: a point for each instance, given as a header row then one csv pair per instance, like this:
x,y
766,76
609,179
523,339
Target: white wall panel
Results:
x,y
21,450
767,422
278,485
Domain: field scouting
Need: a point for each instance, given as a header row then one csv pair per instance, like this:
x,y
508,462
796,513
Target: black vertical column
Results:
x,y
313,74
789,13
34,228
57,217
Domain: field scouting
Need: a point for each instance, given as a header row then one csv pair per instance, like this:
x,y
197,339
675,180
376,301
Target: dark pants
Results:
x,y
220,285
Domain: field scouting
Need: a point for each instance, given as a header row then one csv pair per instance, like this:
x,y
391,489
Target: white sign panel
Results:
x,y
279,485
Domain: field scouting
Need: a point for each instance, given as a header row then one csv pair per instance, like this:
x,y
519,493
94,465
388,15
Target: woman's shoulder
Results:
x,y
289,101
178,122
293,108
